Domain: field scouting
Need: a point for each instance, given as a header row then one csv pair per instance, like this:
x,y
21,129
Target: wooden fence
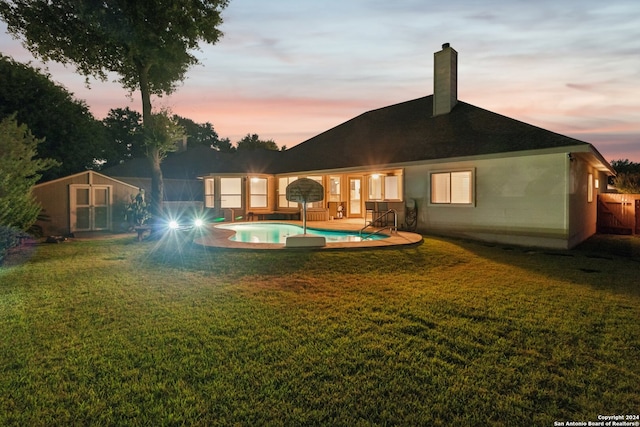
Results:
x,y
619,213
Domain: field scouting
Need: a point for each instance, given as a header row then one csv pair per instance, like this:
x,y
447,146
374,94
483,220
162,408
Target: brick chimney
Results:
x,y
445,80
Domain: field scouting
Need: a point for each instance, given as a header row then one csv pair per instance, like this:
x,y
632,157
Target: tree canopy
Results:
x,y
253,142
161,132
138,40
124,130
149,44
203,134
19,171
71,134
627,179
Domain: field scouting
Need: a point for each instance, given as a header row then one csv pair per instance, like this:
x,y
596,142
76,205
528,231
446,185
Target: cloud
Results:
x,y
288,70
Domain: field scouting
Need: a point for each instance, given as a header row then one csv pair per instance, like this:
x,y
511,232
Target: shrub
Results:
x,y
19,171
10,237
627,182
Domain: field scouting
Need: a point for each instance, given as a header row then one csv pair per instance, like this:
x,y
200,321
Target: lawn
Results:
x,y
116,332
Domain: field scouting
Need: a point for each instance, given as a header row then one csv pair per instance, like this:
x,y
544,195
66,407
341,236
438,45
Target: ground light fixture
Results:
x,y
185,223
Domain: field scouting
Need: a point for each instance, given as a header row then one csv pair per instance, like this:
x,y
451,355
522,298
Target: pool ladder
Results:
x,y
392,229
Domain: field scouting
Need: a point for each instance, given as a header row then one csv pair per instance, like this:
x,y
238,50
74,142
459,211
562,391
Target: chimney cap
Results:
x,y
446,45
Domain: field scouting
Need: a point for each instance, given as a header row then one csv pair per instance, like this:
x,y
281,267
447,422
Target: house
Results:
x,y
86,201
467,171
442,166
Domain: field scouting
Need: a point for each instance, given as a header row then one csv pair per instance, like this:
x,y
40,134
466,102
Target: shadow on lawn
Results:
x,y
604,262
612,245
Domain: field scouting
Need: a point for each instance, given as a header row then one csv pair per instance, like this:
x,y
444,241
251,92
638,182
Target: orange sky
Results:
x,y
289,70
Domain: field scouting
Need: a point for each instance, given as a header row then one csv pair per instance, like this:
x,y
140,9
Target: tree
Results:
x,y
625,166
149,44
203,134
124,130
253,142
19,171
71,134
161,133
627,179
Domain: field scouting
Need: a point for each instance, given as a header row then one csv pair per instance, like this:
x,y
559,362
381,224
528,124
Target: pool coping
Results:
x,y
219,237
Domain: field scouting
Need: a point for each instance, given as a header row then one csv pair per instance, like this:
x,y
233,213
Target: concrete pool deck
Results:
x,y
219,238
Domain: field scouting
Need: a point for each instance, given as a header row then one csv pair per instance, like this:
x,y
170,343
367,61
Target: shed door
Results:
x,y
90,207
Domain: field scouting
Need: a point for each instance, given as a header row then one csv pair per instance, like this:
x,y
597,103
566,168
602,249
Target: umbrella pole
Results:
x,y
304,218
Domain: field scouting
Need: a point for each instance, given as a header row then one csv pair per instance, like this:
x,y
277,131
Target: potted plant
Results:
x,y
137,214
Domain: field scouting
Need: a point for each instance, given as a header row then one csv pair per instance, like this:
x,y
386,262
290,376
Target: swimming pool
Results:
x,y
278,233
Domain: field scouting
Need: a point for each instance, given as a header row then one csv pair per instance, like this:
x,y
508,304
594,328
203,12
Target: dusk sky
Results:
x,y
288,70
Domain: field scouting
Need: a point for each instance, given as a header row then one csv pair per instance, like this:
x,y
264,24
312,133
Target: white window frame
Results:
x,y
319,204
447,182
258,198
398,187
283,181
335,183
375,187
378,187
209,193
228,204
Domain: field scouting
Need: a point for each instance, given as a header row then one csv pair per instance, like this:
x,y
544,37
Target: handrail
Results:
x,y
373,221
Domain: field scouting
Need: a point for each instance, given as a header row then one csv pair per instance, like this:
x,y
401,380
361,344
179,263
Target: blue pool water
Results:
x,y
277,233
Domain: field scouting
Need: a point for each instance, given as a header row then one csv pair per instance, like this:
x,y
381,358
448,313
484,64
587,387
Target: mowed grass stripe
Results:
x,y
112,332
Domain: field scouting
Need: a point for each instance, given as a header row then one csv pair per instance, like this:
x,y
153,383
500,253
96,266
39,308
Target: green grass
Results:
x,y
113,332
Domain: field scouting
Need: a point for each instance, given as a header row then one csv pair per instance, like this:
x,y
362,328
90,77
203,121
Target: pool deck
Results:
x,y
219,238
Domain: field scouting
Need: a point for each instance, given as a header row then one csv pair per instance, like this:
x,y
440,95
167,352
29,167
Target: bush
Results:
x,y
627,182
10,237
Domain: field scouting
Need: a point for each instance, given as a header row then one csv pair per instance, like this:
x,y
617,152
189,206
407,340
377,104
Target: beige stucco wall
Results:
x,y
583,214
530,199
518,200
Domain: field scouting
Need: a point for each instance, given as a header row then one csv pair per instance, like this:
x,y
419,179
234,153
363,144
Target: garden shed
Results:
x,y
86,201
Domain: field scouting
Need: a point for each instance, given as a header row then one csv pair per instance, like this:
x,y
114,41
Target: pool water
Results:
x,y
278,233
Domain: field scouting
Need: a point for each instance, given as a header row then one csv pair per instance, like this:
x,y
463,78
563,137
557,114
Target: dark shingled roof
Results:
x,y
405,132
200,161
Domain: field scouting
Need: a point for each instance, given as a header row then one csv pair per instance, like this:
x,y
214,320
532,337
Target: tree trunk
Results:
x,y
153,153
157,183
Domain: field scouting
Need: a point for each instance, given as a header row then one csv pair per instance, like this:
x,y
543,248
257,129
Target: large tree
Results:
x,y
71,134
148,43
